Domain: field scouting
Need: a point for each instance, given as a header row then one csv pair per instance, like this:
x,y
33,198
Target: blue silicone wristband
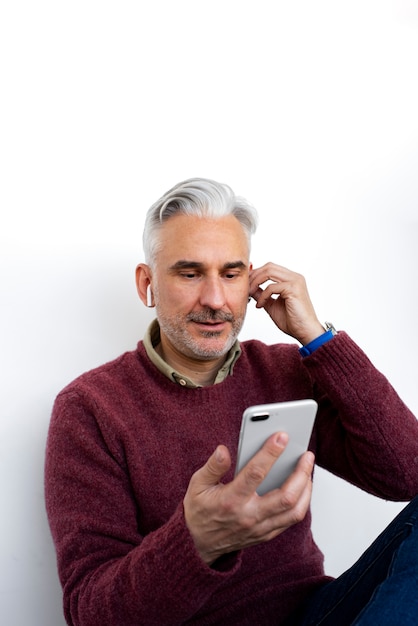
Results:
x,y
316,343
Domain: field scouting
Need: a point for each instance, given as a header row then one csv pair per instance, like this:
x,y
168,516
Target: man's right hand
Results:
x,y
224,518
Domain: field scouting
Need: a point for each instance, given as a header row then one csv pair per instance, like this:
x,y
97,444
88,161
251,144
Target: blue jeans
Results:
x,y
381,589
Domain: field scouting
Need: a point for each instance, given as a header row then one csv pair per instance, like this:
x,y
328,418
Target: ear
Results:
x,y
143,279
250,269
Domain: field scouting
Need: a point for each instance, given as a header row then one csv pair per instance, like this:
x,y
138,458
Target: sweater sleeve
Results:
x,y
364,432
109,572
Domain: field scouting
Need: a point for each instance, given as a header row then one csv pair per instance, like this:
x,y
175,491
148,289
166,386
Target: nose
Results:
x,y
212,293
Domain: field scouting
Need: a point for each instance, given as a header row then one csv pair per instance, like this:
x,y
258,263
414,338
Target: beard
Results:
x,y
175,327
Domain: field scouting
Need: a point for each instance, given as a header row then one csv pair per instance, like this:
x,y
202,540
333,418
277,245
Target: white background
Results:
x,y
309,109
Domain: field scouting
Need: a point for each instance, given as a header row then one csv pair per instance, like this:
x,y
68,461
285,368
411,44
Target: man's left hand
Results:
x,y
286,300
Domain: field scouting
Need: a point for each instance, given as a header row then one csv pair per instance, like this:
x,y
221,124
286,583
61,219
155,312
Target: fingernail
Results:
x,y
282,439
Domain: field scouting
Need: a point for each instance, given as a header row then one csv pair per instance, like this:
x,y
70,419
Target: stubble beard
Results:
x,y
176,329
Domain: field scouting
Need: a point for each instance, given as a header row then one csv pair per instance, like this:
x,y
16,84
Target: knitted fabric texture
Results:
x,y
124,442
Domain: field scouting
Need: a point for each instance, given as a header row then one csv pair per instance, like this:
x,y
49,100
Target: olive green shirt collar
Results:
x,y
152,339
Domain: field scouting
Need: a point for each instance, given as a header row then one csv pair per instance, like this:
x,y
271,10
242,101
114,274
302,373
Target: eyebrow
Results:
x,y
185,264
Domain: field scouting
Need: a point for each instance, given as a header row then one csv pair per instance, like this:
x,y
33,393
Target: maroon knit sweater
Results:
x,y
123,443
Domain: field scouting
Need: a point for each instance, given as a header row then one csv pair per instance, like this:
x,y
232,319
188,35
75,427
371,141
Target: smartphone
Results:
x,y
296,418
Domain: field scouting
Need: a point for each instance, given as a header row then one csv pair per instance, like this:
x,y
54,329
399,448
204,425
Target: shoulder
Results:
x,y
108,377
278,368
101,399
278,359
255,349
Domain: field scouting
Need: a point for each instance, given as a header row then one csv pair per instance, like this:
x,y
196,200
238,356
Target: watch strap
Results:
x,y
319,341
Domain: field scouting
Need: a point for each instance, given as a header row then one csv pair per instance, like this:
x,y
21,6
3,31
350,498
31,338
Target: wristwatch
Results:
x,y
330,326
319,341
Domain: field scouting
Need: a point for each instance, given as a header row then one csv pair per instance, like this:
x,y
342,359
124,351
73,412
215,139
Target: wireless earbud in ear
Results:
x,y
149,296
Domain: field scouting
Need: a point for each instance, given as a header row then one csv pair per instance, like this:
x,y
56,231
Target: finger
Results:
x,y
253,474
304,467
268,296
289,503
256,294
269,271
213,471
297,503
298,480
293,509
258,277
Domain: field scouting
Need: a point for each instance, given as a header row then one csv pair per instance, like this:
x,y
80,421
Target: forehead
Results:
x,y
202,239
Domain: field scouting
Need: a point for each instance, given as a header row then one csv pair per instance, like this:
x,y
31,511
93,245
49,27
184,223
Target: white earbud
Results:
x,y
149,296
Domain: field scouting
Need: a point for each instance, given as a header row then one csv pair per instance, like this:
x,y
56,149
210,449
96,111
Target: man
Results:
x,y
150,525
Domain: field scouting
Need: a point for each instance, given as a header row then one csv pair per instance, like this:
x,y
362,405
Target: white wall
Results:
x,y
307,108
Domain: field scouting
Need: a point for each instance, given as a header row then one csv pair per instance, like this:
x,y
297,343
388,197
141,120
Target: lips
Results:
x,y
211,326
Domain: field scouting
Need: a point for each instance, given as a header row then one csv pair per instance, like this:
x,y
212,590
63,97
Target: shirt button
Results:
x,y
182,382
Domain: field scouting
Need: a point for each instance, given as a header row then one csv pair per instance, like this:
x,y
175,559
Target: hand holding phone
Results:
x,y
296,418
225,517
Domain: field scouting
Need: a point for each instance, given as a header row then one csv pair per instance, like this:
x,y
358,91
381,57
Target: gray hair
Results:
x,y
199,197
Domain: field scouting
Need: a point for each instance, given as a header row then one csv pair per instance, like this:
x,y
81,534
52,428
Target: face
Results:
x,y
200,284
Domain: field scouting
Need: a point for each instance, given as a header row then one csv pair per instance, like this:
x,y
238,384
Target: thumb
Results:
x,y
214,469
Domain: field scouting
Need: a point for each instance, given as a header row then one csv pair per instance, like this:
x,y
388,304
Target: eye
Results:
x,y
189,275
231,275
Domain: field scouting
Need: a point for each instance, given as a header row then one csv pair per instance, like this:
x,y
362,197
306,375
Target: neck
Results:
x,y
199,371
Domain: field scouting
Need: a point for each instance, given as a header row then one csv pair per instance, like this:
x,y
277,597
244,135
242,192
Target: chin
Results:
x,y
207,350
